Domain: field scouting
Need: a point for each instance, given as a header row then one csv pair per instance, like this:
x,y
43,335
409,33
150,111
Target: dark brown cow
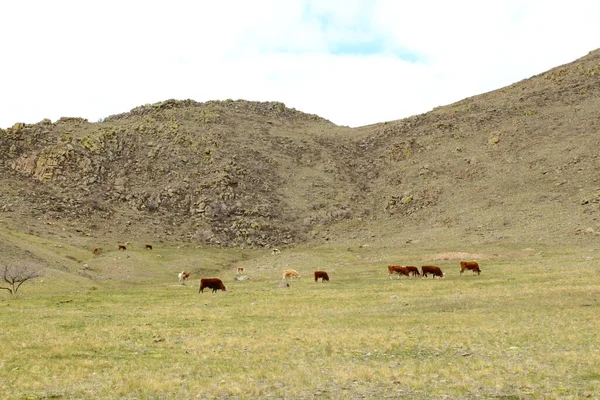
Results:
x,y
149,246
471,266
413,270
211,283
397,269
321,274
121,247
433,270
96,251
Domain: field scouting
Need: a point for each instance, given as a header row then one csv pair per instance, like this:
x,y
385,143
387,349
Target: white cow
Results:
x,y
183,276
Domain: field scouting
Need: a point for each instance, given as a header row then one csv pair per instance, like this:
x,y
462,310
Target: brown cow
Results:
x,y
413,270
433,270
149,246
183,276
211,283
96,251
471,266
321,274
397,269
291,273
121,247
239,270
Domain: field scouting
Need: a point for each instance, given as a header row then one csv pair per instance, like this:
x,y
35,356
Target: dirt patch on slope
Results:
x,y
454,256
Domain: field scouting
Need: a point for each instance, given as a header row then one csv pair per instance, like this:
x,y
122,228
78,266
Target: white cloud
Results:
x,y
92,59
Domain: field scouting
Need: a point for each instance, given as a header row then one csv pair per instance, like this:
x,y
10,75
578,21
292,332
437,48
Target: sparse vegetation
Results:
x,y
14,275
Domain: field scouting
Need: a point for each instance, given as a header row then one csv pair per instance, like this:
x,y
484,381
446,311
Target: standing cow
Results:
x,y
398,269
211,283
433,270
321,274
290,273
413,270
471,266
183,276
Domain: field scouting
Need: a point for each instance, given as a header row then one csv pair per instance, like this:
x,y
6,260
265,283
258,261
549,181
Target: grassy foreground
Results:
x,y
526,328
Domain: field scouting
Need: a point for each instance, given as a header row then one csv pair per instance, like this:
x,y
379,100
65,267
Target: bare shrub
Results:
x,y
16,275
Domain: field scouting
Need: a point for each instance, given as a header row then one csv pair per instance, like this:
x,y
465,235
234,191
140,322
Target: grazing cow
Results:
x,y
321,274
239,270
275,251
211,283
433,270
183,276
397,269
291,273
413,270
149,246
96,250
471,266
121,247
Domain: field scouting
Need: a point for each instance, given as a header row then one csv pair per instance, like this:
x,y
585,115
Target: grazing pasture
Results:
x,y
526,329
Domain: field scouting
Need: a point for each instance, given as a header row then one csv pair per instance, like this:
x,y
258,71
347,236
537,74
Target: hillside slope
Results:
x,y
518,163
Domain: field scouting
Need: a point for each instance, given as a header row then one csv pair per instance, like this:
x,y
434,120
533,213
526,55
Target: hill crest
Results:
x,y
240,173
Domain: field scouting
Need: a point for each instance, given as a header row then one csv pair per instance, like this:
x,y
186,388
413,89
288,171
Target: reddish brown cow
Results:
x,y
413,270
433,270
211,283
239,270
149,246
96,250
121,247
397,269
321,274
471,266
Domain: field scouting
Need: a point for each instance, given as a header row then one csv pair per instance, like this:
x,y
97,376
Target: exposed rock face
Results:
x,y
43,165
178,169
239,173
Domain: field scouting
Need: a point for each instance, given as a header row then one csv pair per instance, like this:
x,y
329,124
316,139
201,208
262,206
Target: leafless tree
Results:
x,y
16,275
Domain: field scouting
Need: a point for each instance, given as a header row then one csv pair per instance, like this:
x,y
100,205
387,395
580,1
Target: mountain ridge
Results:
x,y
517,163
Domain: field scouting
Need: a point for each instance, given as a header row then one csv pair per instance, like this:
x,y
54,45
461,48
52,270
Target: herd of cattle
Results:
x,y
409,271
432,270
122,247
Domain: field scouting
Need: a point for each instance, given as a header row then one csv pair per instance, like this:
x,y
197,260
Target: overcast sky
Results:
x,y
353,62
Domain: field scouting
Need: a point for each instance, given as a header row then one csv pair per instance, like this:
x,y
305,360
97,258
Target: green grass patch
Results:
x,y
525,328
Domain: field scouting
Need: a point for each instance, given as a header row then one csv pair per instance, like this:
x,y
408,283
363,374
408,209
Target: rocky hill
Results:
x,y
518,163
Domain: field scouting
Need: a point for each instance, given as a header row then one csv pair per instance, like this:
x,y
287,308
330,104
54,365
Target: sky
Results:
x,y
353,62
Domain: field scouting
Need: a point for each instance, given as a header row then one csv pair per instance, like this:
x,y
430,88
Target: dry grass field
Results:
x,y
526,328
